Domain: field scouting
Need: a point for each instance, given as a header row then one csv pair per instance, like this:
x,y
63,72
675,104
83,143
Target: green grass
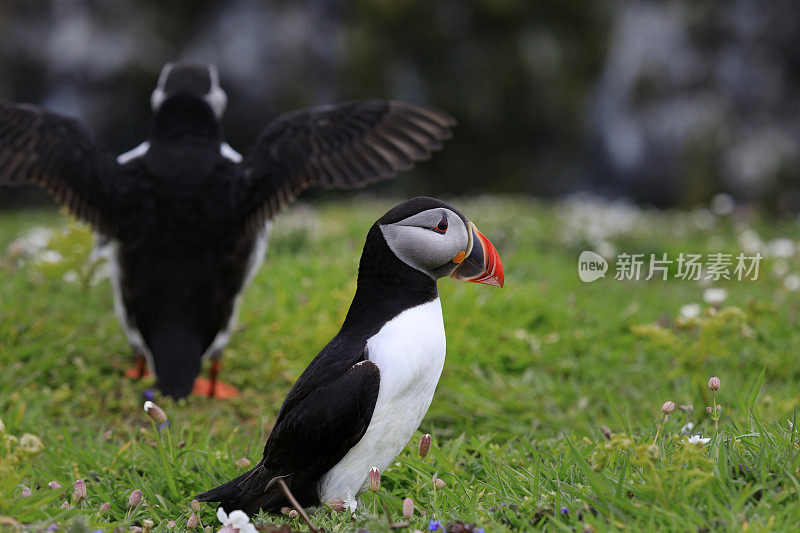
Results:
x,y
533,372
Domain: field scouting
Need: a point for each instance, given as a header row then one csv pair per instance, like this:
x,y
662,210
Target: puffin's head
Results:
x,y
438,240
193,80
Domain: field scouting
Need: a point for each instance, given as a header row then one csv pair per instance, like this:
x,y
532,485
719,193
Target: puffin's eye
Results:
x,y
441,227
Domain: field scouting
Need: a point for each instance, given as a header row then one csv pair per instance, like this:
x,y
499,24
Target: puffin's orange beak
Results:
x,y
481,264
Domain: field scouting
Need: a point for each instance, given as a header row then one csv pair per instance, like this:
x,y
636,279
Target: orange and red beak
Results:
x,y
480,263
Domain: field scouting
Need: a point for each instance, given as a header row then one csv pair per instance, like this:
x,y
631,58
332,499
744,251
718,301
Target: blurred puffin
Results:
x,y
184,218
363,396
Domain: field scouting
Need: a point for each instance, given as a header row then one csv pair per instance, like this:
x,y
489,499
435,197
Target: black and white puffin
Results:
x,y
183,217
364,395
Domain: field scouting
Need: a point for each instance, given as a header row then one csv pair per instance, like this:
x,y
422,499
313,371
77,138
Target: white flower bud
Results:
x,y
155,412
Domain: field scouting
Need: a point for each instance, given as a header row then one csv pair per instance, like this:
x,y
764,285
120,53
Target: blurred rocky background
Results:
x,y
665,102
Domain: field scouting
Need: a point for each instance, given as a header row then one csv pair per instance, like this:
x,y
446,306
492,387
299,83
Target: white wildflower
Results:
x,y
792,282
350,503
70,276
750,241
715,295
37,240
237,520
722,204
698,439
703,219
687,428
690,311
50,256
780,267
780,247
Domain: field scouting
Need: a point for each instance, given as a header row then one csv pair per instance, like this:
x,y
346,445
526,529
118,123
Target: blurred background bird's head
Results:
x,y
665,103
190,81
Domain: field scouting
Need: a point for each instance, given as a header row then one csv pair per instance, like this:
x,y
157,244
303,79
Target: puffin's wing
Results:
x,y
306,442
58,154
318,431
339,146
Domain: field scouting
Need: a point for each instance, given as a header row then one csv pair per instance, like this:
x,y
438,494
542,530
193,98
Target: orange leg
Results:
x,y
139,369
211,386
212,377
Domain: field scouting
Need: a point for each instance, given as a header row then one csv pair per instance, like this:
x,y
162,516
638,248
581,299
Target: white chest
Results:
x,y
409,351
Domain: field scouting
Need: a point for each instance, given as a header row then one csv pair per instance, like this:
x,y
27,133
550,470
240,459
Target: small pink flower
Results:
x,y
408,508
714,383
293,514
193,521
171,524
105,507
25,492
374,479
243,463
336,506
79,490
424,444
155,412
195,506
65,505
135,498
54,485
667,408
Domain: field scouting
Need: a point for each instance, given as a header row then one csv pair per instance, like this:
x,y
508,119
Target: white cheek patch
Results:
x,y
217,100
229,153
158,96
216,97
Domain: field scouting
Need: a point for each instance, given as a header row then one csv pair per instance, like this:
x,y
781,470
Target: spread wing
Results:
x,y
340,146
59,155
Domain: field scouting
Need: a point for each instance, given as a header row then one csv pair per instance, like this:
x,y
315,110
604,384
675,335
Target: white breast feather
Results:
x,y
409,351
139,151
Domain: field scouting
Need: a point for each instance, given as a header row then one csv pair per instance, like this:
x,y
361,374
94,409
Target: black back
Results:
x,y
182,258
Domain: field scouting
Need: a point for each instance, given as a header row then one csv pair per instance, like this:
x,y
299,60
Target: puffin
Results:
x,y
184,219
361,399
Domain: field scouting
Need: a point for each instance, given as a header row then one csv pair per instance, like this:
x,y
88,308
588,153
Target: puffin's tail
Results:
x,y
177,356
247,493
229,492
